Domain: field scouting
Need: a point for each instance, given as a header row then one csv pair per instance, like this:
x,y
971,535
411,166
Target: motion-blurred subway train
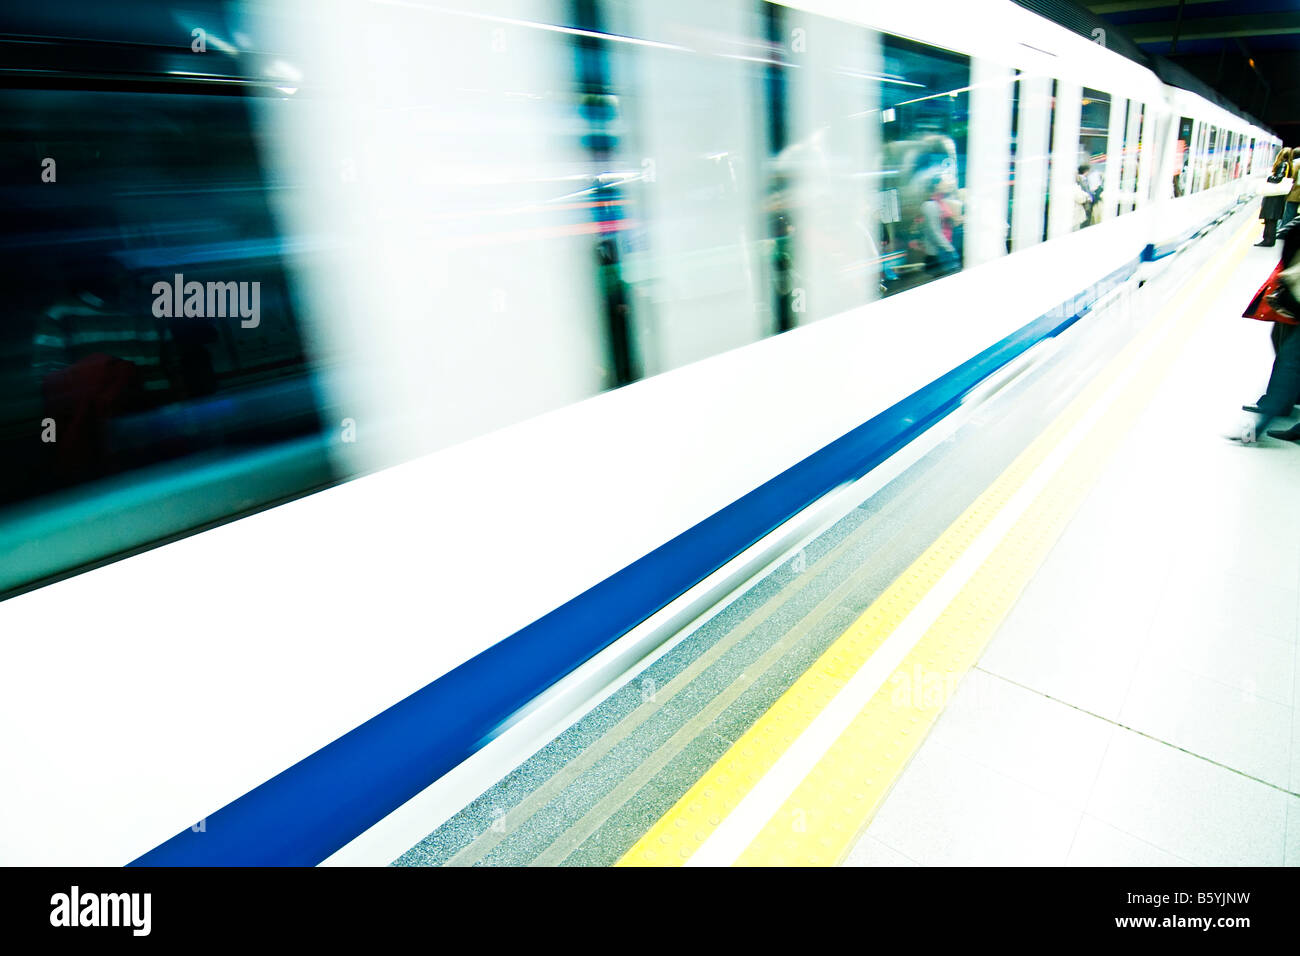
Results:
x,y
370,369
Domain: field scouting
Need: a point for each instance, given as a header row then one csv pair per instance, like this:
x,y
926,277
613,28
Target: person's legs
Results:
x,y
1279,332
1289,211
1270,233
1285,332
1283,383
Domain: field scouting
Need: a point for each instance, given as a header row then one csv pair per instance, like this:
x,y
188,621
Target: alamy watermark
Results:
x,y
208,300
77,908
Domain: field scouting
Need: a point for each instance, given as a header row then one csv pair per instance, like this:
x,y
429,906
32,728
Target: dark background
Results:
x,y
1245,54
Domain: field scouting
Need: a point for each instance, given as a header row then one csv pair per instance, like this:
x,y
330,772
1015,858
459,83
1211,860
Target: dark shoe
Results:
x,y
1289,434
1266,245
1251,408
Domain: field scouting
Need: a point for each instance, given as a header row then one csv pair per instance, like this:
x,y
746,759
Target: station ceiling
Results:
x,y
1247,50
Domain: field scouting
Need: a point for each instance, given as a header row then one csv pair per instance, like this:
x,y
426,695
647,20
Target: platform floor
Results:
x,y
1140,704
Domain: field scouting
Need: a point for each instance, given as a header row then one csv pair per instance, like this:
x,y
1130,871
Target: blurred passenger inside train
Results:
x,y
97,353
957,203
1082,198
879,244
1096,184
939,216
616,295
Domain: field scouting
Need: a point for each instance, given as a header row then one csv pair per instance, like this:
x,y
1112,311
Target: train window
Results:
x,y
485,260
1139,152
827,228
1011,171
693,271
1199,138
1033,115
925,103
775,226
1218,146
1183,157
1203,158
150,340
1129,157
1210,157
1145,150
1049,161
1094,136
1156,135
1213,146
1123,202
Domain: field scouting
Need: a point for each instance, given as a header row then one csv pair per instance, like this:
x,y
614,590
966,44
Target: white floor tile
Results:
x,y
1247,545
1187,806
1079,656
871,852
1229,600
1100,844
1235,655
1208,718
948,810
1031,739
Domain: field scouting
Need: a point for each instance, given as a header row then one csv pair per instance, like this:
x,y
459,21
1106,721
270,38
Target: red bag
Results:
x,y
1260,308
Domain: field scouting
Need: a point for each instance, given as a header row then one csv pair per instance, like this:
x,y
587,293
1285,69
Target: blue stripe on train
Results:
x,y
1154,251
302,815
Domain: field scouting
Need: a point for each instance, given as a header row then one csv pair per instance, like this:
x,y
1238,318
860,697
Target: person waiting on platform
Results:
x,y
1277,205
1284,381
1293,197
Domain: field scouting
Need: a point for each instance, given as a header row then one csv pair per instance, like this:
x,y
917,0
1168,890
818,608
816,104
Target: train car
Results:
x,y
567,311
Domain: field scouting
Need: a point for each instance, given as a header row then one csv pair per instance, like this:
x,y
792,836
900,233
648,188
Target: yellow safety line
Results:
x,y
676,835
